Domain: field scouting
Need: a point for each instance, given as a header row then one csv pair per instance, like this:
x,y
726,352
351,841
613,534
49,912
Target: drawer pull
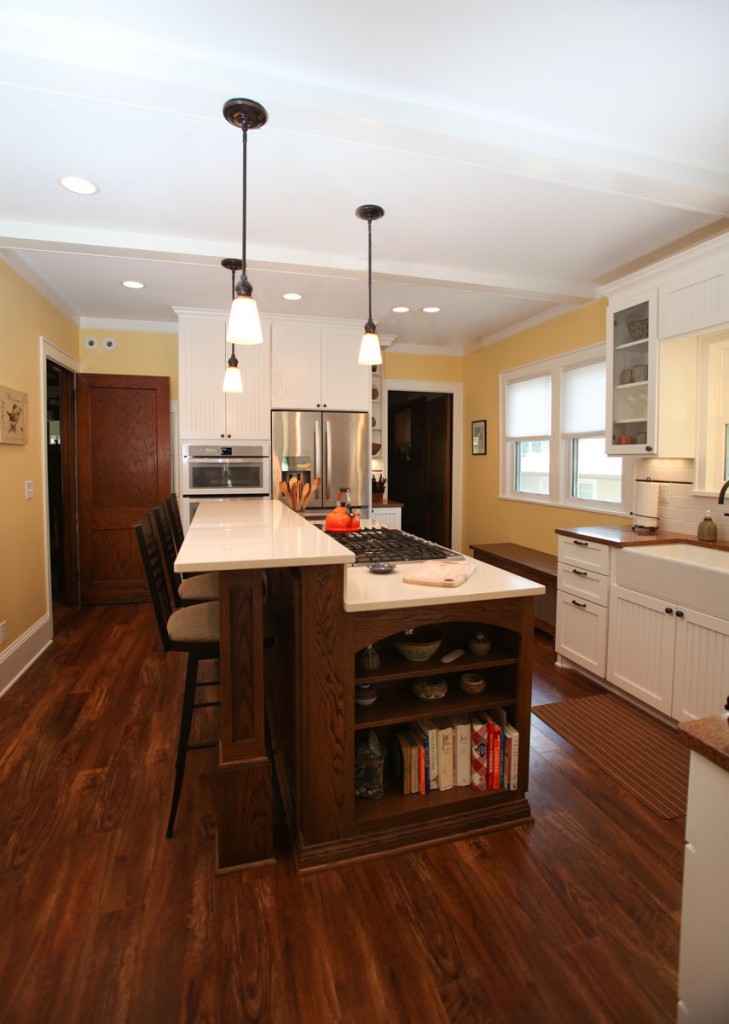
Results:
x,y
579,604
579,572
581,543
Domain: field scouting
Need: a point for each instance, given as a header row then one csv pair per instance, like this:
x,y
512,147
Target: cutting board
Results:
x,y
440,574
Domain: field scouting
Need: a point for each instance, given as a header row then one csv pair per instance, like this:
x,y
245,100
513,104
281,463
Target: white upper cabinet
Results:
x,y
206,412
315,367
631,374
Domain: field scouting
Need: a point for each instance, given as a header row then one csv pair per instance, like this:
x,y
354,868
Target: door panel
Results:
x,y
123,471
347,456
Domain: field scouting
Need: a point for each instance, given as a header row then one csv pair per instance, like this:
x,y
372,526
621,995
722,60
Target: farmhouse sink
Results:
x,y
684,574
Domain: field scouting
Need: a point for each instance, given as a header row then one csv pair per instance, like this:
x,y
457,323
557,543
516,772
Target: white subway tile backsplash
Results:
x,y
679,510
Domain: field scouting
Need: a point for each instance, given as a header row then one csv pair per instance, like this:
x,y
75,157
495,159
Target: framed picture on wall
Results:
x,y
13,416
478,437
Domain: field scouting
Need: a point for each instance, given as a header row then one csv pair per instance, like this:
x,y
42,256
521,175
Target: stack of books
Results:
x,y
479,750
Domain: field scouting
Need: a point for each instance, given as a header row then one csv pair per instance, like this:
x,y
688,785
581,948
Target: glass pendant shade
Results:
x,y
233,381
244,323
370,353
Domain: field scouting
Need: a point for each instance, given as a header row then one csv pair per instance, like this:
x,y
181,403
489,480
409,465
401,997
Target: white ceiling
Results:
x,y
522,152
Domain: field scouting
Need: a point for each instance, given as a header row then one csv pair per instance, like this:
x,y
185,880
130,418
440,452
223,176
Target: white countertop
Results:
x,y
367,591
254,534
264,533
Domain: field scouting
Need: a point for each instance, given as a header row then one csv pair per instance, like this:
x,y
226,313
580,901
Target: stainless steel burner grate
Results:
x,y
386,545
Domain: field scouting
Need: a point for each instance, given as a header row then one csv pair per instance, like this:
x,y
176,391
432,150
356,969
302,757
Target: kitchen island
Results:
x,y
320,611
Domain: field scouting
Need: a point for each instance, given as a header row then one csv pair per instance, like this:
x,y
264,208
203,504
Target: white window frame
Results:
x,y
560,448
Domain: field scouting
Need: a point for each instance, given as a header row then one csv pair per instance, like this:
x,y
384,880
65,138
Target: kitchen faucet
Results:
x,y
722,492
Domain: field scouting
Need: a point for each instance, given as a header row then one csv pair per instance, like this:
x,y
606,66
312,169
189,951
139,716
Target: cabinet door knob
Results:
x,y
679,615
649,448
668,611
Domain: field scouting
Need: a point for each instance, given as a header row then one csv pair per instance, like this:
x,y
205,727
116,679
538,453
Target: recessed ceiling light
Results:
x,y
401,309
431,309
82,186
132,284
292,296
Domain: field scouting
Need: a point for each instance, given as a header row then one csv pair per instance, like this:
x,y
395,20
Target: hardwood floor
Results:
x,y
104,920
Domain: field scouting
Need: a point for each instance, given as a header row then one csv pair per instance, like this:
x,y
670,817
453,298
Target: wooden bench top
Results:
x,y
516,557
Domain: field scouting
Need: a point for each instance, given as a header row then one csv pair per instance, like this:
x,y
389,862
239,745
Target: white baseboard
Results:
x,y
22,652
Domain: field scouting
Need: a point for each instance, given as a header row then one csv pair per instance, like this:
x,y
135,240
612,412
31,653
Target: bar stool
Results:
x,y
191,589
193,630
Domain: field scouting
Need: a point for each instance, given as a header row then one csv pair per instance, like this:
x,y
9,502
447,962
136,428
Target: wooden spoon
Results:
x,y
305,494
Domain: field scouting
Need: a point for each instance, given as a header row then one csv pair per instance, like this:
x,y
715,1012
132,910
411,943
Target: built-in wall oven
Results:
x,y
211,471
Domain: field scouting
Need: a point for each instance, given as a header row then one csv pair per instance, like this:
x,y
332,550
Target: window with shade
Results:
x,y
553,430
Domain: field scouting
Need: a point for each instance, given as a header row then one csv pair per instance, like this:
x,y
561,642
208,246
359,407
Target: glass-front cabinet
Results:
x,y
631,375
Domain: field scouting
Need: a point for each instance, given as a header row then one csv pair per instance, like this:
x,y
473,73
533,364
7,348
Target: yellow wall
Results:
x,y
148,353
26,316
488,519
401,366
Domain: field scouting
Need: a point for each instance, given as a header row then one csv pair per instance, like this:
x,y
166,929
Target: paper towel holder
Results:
x,y
646,520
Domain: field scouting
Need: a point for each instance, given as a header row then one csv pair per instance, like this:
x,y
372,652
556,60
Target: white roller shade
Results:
x,y
583,400
529,408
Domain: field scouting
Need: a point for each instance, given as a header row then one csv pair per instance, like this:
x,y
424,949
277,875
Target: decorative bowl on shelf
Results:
x,y
638,329
365,694
430,689
375,394
418,644
376,449
472,683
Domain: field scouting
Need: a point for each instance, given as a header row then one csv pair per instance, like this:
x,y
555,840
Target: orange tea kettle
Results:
x,y
342,519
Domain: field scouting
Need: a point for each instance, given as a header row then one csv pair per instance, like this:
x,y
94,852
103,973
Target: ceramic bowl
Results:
x,y
418,644
430,689
472,683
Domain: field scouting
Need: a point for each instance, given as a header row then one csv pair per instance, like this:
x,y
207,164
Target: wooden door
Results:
x,y
123,445
439,434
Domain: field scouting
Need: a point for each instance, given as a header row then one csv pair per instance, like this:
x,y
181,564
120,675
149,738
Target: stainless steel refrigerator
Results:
x,y
332,445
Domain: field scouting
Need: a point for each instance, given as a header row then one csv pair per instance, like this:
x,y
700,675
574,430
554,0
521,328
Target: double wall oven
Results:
x,y
211,471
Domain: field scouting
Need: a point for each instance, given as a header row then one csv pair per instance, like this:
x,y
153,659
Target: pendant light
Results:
x,y
370,353
232,382
244,323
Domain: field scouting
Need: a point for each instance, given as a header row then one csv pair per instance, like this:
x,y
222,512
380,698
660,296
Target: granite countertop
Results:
x,y
623,537
709,737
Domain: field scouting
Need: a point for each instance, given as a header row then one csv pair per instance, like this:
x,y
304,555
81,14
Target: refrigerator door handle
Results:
x,y
327,459
317,449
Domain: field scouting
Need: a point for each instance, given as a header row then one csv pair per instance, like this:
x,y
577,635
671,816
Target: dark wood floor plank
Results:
x,y
105,920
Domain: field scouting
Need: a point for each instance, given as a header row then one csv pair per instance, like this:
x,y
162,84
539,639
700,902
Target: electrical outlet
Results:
x,y
3,632
29,489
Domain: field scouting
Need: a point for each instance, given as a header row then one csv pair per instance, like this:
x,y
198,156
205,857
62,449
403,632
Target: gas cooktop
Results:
x,y
385,545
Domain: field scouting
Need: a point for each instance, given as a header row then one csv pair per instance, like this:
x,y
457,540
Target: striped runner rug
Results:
x,y
637,751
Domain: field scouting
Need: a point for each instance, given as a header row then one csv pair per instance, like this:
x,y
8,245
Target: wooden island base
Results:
x,y
310,683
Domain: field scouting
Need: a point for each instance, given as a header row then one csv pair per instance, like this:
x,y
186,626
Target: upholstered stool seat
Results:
x,y
199,588
196,624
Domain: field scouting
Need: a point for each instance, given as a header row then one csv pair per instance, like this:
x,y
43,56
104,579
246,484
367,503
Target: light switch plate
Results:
x,y
29,489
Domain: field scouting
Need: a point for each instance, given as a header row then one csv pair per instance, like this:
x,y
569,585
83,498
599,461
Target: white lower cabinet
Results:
x,y
640,650
391,517
583,576
669,656
703,965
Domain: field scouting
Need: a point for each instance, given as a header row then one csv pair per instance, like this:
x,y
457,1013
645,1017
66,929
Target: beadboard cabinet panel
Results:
x,y
641,646
701,676
206,411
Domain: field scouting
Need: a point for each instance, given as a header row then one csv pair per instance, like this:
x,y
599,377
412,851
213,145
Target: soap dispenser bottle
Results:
x,y
707,528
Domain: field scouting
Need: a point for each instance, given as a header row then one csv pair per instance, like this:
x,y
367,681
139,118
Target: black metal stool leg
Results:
x,y
188,703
